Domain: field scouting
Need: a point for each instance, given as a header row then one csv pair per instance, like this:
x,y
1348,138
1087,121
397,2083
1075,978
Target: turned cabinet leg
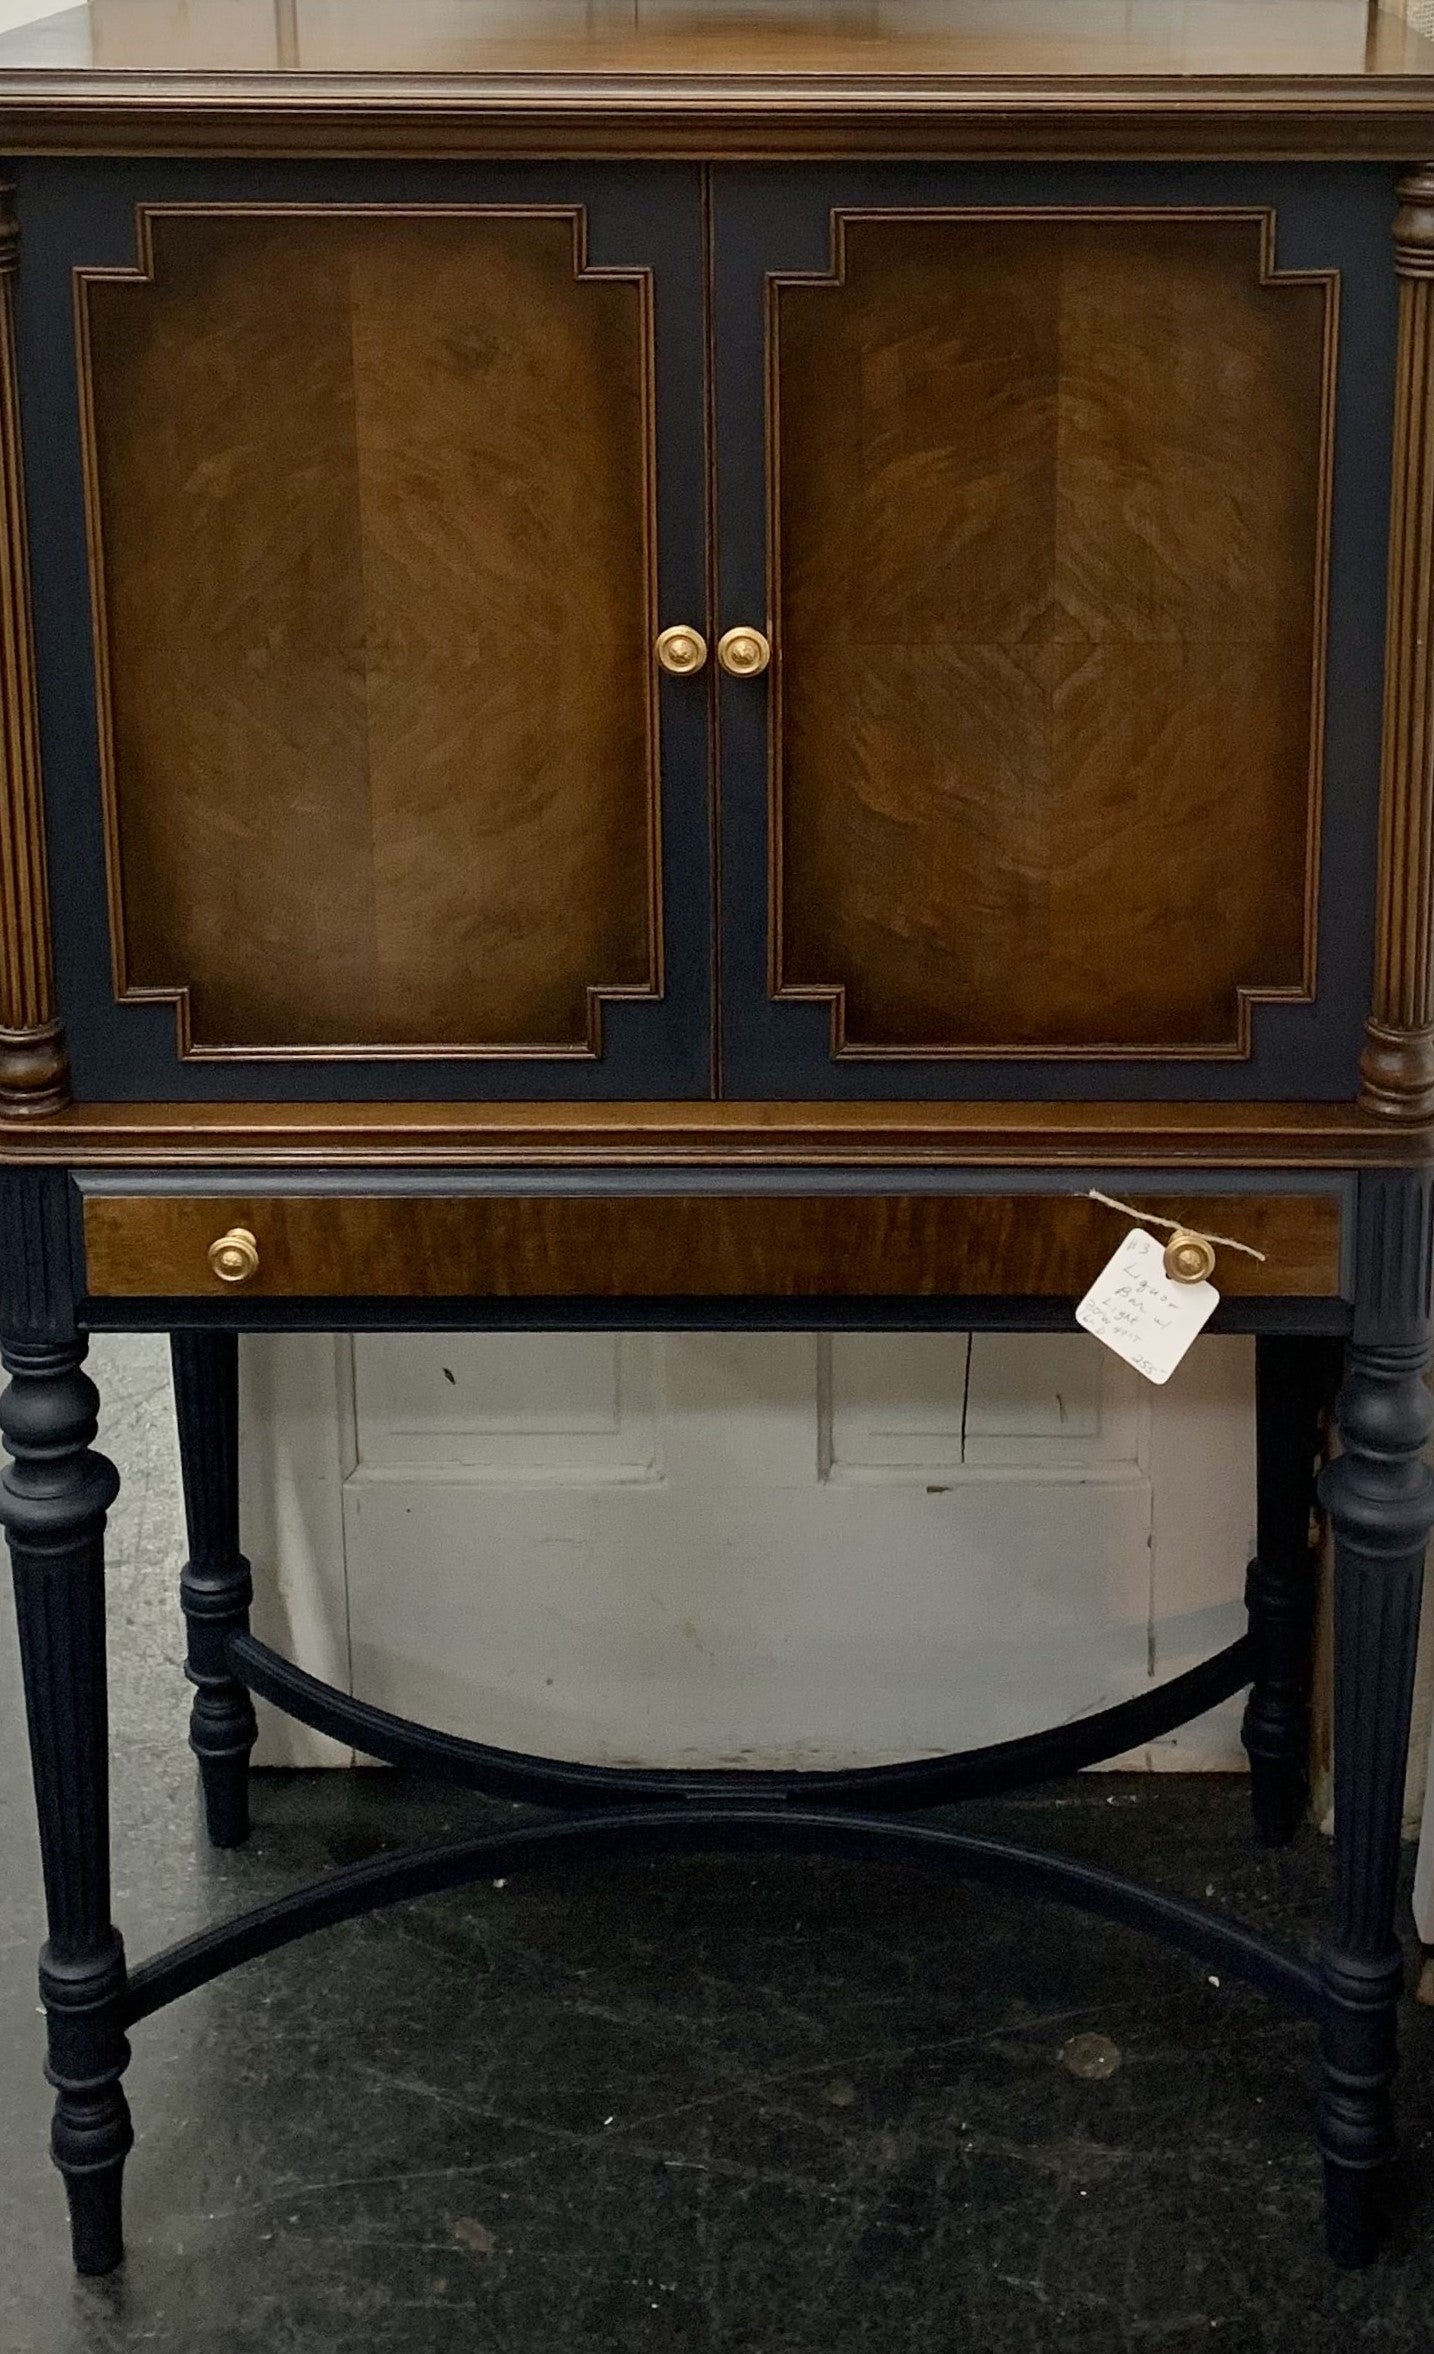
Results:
x,y
54,1494
1294,1385
1380,1498
216,1588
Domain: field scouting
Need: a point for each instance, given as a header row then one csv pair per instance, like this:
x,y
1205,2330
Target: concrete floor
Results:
x,y
731,2107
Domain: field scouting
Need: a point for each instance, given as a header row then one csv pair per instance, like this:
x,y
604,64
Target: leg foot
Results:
x,y
1356,2122
96,2230
91,2134
216,1587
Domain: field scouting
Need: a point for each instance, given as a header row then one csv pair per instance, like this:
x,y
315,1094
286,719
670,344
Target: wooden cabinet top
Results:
x,y
1318,78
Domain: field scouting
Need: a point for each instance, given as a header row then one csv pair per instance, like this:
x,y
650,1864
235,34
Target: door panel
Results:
x,y
373,494
1050,498
387,766
1048,559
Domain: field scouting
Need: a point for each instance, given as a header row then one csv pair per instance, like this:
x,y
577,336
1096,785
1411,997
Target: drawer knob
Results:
x,y
744,653
235,1256
1189,1258
682,650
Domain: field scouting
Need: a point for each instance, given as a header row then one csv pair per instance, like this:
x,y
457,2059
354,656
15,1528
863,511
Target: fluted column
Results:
x,y
1397,1066
34,1074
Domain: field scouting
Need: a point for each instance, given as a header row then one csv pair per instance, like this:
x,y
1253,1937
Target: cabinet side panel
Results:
x,y
371,513
1050,521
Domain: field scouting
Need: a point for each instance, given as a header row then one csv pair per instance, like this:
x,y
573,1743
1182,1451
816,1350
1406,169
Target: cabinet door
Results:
x,y
370,784
1063,778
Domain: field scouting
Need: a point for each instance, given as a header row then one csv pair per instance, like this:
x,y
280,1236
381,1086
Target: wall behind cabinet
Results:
x,y
755,1548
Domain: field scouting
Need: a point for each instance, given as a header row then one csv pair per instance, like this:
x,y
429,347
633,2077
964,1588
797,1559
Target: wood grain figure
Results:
x,y
371,512
1049,514
779,1246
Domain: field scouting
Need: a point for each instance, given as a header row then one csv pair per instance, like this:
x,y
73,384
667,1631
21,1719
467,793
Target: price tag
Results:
x,y
1135,1308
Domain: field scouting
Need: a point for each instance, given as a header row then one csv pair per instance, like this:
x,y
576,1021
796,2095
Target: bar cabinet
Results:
x,y
684,666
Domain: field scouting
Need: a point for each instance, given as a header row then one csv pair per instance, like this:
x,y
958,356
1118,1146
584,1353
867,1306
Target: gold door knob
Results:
x,y
235,1256
744,653
1189,1258
682,650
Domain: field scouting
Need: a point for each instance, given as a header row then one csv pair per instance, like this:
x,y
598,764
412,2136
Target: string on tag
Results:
x,y
1226,1242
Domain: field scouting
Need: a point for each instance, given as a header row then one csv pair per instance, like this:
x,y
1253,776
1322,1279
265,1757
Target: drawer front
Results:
x,y
784,1246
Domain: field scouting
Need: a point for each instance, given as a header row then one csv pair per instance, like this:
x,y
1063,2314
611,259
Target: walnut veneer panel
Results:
x,y
1050,520
371,492
679,1246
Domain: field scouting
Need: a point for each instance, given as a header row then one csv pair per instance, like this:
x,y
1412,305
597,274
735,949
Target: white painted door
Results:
x,y
766,1549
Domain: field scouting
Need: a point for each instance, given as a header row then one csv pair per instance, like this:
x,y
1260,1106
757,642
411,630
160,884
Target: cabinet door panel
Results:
x,y
373,492
1050,489
1063,542
372,522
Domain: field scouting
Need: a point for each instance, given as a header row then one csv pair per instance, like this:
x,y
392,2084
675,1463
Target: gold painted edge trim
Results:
x,y
697,1133
598,994
34,1074
833,994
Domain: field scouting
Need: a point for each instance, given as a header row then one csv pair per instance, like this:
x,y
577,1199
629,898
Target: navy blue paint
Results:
x,y
641,1831
775,220
954,1314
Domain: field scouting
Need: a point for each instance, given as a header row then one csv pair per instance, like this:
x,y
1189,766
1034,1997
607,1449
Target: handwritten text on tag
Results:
x,y
1135,1308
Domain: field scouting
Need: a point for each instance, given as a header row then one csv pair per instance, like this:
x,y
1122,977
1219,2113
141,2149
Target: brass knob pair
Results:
x,y
743,653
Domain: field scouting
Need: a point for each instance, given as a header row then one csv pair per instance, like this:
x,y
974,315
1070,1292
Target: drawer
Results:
x,y
688,1245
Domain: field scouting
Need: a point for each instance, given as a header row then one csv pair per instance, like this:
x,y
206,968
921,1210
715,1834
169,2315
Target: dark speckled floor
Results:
x,y
736,2108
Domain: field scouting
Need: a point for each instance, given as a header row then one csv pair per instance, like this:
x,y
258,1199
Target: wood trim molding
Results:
x,y
1397,1065
178,994
34,1075
292,1136
1045,117
833,994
